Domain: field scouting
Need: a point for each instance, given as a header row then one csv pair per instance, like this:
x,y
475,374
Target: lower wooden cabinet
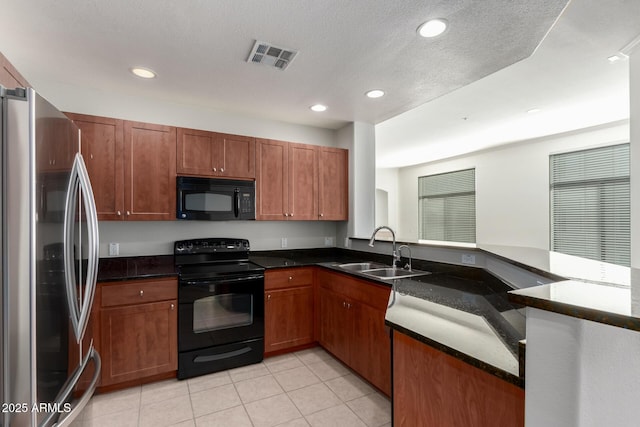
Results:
x,y
289,309
351,318
432,388
138,329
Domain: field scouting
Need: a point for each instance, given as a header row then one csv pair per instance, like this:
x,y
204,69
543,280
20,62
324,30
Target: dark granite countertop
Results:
x,y
608,304
475,321
140,267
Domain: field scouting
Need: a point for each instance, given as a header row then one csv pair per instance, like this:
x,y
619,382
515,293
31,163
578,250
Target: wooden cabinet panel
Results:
x,y
432,388
288,318
333,193
272,180
370,352
238,156
213,154
195,152
303,182
335,324
138,341
138,292
351,325
102,143
150,171
9,76
289,308
288,277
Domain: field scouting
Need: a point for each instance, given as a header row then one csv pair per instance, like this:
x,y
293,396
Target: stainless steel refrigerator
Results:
x,y
49,262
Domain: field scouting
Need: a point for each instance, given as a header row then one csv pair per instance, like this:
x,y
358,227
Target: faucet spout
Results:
x,y
394,253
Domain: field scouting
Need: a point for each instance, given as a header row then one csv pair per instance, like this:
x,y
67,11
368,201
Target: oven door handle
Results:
x,y
222,281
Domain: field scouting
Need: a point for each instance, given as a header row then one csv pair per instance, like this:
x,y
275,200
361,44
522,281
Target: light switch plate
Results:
x,y
328,241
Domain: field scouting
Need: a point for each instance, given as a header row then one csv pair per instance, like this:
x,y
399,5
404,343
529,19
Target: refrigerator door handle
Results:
x,y
69,386
80,307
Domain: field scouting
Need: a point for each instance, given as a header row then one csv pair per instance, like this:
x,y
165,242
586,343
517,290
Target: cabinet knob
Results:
x,y
215,169
119,213
221,169
173,307
344,304
141,292
91,156
128,213
348,305
286,214
290,214
268,297
321,215
290,277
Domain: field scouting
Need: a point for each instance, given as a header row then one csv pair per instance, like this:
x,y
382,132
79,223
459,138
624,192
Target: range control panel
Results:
x,y
210,245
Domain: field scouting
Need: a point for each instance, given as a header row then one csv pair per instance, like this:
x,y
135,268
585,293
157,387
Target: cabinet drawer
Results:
x,y
138,291
288,277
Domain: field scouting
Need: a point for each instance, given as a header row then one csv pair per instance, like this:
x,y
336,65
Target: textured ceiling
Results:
x,y
199,50
568,78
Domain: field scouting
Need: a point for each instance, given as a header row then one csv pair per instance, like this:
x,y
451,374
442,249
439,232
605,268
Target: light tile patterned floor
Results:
x,y
307,388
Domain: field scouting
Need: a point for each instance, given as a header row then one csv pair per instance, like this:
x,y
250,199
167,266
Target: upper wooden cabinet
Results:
x,y
149,171
9,76
300,181
213,154
132,167
102,145
333,184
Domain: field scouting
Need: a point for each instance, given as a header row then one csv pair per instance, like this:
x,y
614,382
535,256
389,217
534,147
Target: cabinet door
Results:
x,y
138,341
150,171
102,142
431,388
238,156
288,318
371,346
272,182
303,182
196,152
335,329
333,184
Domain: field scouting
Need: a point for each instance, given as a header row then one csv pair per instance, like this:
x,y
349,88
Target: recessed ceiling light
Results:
x,y
318,108
432,28
375,93
145,73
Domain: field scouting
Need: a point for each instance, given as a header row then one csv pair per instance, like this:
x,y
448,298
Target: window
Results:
x,y
447,207
590,204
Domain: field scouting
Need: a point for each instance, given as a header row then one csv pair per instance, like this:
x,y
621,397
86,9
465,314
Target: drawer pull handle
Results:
x,y
141,292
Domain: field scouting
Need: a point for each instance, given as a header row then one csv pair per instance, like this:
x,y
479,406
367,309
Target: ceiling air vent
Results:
x,y
273,56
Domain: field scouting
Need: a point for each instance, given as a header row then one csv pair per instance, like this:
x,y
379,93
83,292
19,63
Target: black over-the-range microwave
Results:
x,y
214,199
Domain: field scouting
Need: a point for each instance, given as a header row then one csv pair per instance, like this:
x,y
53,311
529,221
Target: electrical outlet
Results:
x,y
328,241
283,242
468,259
347,243
114,249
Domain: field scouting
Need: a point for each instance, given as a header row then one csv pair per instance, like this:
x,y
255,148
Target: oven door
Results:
x,y
220,311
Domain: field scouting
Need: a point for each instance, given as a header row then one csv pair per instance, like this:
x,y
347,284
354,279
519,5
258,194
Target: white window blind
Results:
x,y
447,206
590,204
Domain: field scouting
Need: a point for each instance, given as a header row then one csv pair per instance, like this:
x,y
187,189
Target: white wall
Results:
x,y
580,373
157,237
387,180
634,89
512,187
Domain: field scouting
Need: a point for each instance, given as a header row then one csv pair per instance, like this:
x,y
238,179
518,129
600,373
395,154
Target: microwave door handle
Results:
x,y
236,204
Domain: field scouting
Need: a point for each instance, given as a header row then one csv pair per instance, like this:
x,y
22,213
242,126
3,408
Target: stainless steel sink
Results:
x,y
393,273
361,266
